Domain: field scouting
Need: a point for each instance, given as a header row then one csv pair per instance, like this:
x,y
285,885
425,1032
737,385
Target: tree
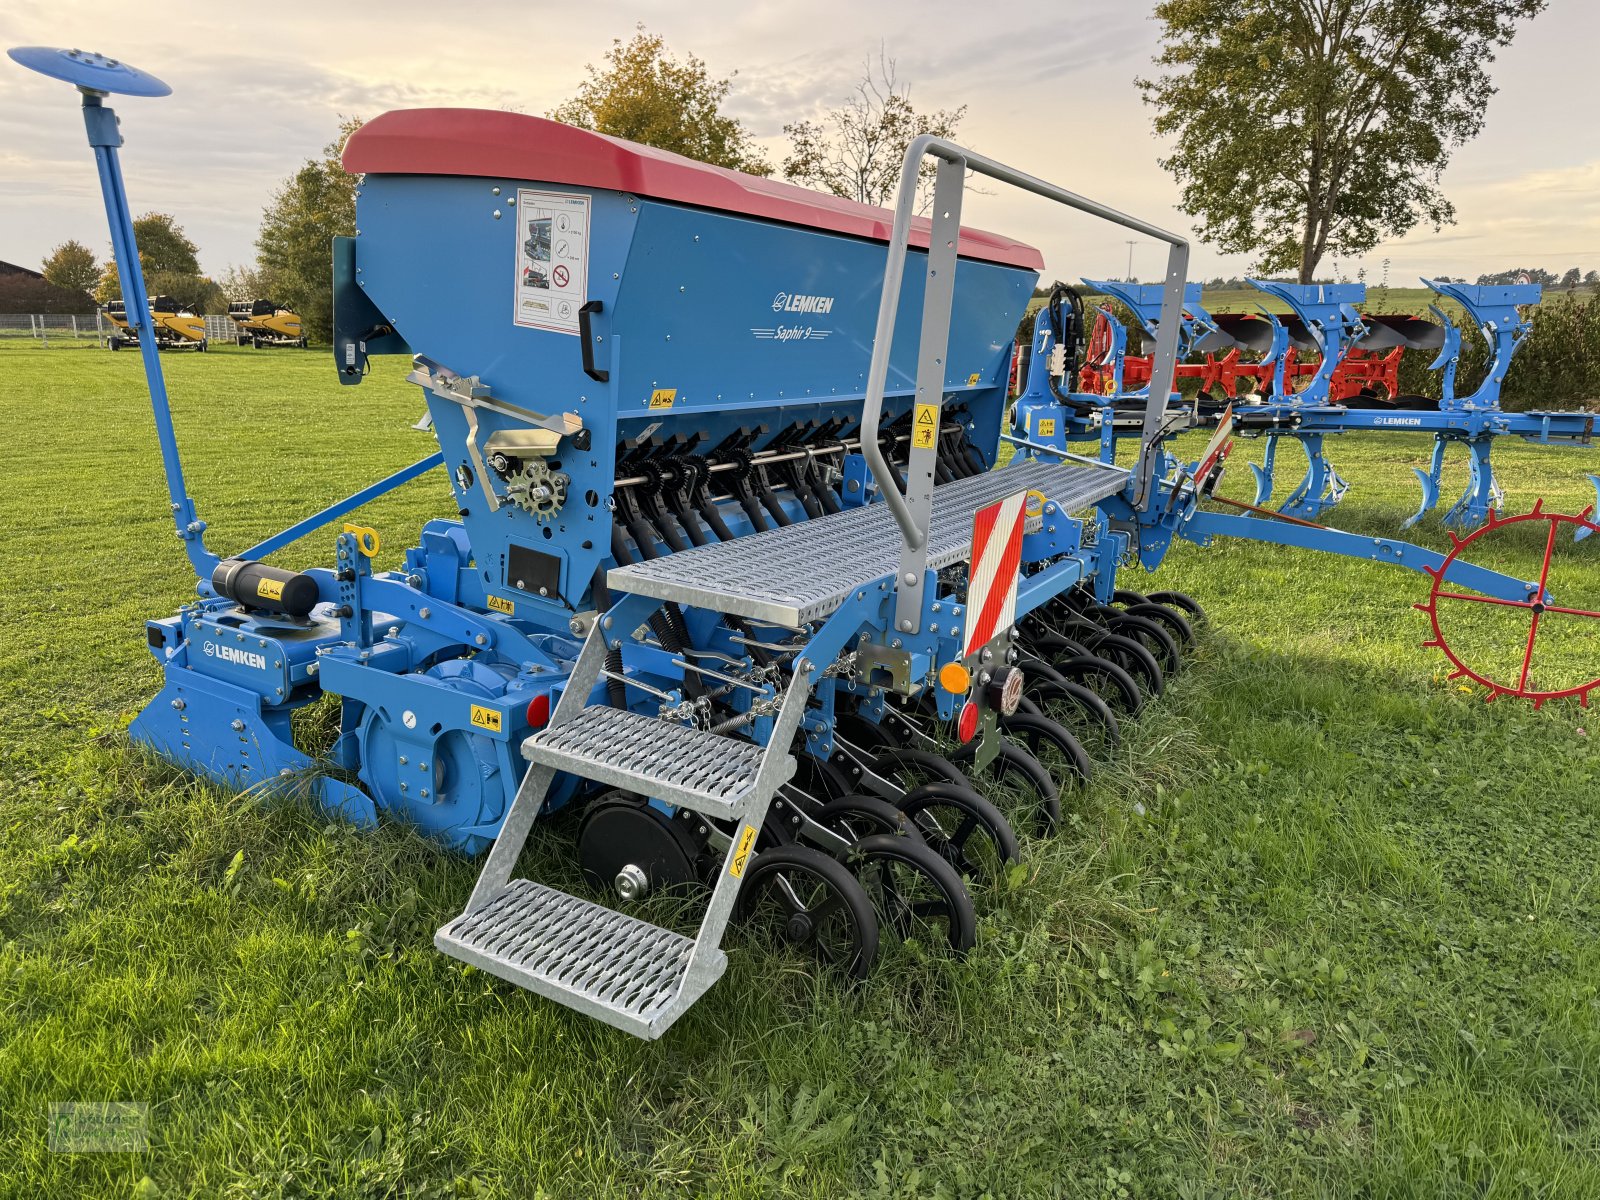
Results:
x,y
169,261
195,292
71,265
1572,278
245,283
1519,275
295,245
163,246
1591,278
110,286
858,149
1308,127
645,95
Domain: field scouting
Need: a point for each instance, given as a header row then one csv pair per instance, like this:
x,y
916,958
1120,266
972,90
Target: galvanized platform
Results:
x,y
704,772
804,571
624,971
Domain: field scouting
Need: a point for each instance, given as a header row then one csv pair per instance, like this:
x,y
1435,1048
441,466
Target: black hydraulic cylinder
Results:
x,y
269,589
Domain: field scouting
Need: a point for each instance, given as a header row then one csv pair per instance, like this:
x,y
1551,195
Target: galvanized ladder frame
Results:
x,y
912,508
706,960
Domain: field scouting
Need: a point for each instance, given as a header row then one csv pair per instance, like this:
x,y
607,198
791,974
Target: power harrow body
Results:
x,y
734,573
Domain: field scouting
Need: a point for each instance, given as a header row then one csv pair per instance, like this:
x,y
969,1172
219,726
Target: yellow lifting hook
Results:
x,y
366,539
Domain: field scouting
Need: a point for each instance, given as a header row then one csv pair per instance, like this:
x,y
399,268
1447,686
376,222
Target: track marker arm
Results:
x,y
1203,526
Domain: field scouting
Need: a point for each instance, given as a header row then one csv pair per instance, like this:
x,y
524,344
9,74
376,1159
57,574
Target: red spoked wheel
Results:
x,y
1514,675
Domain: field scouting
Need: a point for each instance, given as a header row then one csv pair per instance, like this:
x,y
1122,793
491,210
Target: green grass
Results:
x,y
1324,926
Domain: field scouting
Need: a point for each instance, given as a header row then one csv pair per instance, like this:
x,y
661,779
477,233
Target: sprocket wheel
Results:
x,y
1527,685
537,489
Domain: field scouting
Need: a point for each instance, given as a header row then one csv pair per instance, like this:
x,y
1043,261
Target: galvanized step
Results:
x,y
804,571
606,964
704,772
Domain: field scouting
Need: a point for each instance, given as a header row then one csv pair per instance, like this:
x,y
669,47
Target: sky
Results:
x,y
1049,89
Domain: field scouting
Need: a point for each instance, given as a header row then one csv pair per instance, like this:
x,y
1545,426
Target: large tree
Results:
x,y
645,95
1313,127
169,261
858,149
295,245
163,245
72,265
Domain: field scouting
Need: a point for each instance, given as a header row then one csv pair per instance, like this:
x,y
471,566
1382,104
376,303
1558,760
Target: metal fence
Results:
x,y
53,330
67,331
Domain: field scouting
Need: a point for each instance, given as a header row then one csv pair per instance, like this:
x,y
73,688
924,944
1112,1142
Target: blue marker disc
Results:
x,y
89,70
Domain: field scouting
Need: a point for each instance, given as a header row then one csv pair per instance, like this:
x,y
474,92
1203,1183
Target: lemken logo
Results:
x,y
1397,420
794,302
245,658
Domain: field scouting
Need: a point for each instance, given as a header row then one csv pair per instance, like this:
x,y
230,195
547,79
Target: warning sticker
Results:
x,y
663,397
270,589
741,854
486,718
1047,427
499,605
552,259
972,380
925,427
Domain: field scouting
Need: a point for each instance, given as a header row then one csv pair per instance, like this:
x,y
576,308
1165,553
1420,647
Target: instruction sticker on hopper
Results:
x,y
552,259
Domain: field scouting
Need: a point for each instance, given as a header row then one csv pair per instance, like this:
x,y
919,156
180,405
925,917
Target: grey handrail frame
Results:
x,y
912,508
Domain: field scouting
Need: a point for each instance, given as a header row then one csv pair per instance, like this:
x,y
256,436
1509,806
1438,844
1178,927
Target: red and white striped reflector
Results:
x,y
996,558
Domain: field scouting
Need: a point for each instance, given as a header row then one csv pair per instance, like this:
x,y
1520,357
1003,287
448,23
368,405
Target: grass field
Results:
x,y
1324,926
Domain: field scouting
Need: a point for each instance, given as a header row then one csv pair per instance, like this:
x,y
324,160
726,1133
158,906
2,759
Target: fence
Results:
x,y
81,330
64,330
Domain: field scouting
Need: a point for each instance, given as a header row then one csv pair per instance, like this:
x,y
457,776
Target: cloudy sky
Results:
x,y
1049,88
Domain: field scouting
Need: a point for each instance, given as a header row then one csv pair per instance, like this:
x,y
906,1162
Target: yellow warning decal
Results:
x,y
741,855
925,427
972,380
500,605
270,589
663,397
1047,427
486,718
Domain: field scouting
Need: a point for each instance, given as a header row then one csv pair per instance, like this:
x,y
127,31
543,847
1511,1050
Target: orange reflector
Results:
x,y
954,678
539,711
967,722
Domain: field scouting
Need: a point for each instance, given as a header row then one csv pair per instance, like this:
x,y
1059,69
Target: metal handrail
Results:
x,y
938,298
